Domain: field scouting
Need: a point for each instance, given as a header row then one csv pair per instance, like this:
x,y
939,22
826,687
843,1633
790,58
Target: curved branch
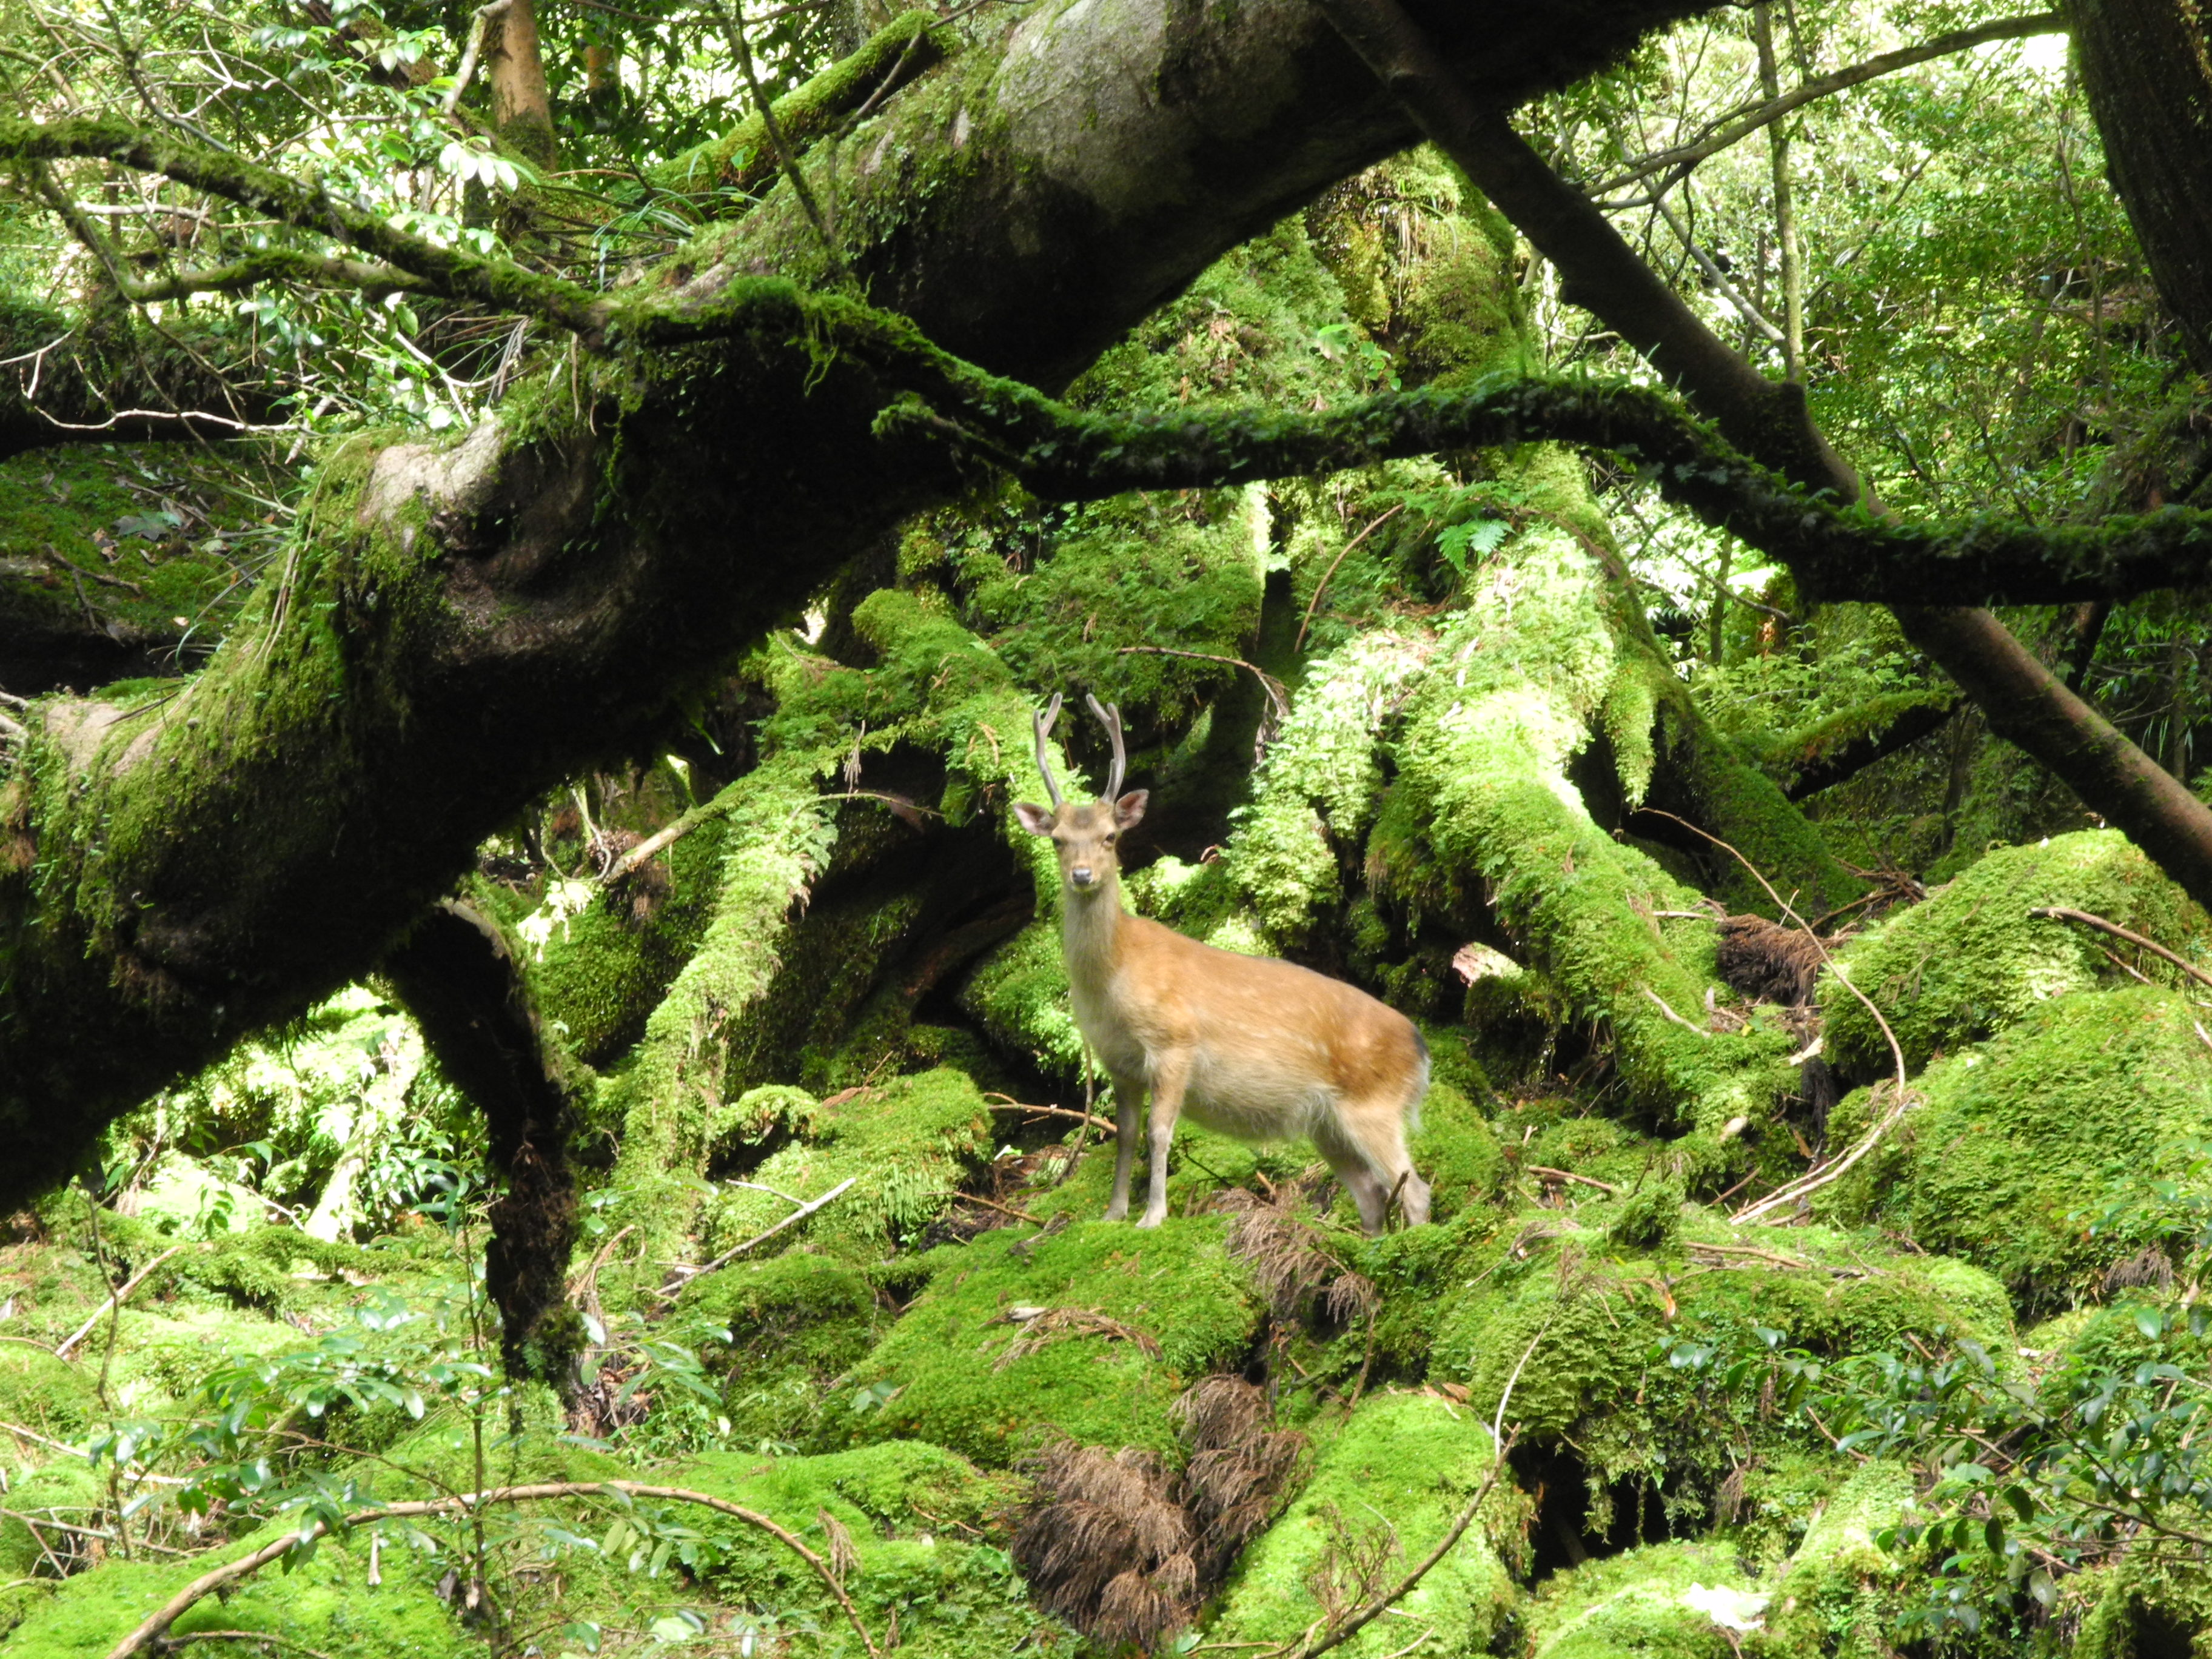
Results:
x,y
1732,130
1835,552
150,1633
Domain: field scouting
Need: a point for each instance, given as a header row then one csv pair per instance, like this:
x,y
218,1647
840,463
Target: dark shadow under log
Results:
x,y
459,979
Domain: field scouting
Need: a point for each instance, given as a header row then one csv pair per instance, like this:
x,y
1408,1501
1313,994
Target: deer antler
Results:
x,y
1109,716
1041,723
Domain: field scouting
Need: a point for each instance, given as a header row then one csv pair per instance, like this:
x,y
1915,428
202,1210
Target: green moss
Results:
x,y
602,972
325,1604
918,1518
796,1324
2138,1607
1319,790
1970,960
1136,570
1019,994
1457,1153
905,1144
67,1490
1651,1603
742,159
1483,798
1581,1313
2079,1096
96,526
50,1395
1414,1460
943,1373
1838,1594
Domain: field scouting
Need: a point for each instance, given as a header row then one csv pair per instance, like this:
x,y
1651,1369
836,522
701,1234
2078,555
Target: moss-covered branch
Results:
x,y
742,159
1835,552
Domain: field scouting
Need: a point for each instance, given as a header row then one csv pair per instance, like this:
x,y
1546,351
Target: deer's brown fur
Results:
x,y
1250,1046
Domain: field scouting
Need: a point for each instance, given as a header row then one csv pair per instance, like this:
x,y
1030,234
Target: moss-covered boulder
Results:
x,y
795,1323
2018,1139
326,1604
1090,1332
918,1521
1970,960
1836,1593
1661,1602
904,1144
1404,1463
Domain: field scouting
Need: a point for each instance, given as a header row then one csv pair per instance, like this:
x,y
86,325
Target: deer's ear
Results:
x,y
1129,810
1037,820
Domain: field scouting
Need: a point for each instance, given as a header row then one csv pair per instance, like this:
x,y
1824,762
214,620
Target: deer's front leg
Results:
x,y
1170,1074
1128,1113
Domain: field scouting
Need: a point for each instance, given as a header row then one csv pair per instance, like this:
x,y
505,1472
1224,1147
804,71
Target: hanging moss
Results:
x,y
1405,1463
2017,1138
1318,790
1970,960
961,1370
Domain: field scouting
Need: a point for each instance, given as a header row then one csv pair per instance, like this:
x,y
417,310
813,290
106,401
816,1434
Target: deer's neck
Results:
x,y
1088,924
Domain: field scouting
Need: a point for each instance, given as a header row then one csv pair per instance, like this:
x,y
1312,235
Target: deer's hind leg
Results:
x,y
1365,1142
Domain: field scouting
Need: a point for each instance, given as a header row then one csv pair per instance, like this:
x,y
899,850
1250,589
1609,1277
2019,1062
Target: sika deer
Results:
x,y
1252,1047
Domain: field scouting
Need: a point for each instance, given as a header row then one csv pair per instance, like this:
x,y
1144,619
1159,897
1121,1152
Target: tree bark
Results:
x,y
521,109
2147,67
458,978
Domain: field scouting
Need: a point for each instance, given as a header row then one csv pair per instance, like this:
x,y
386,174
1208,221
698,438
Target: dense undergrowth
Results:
x,y
842,1267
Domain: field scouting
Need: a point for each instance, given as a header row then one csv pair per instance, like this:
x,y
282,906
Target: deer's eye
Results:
x,y
1109,839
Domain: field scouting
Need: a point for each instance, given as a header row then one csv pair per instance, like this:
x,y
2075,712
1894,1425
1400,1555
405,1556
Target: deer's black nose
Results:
x,y
1081,875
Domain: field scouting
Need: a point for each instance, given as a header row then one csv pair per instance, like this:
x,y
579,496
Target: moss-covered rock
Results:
x,y
1970,960
918,1521
2018,1138
1836,1595
1659,1601
1404,1464
1578,1322
326,1604
795,1323
1090,1332
904,1144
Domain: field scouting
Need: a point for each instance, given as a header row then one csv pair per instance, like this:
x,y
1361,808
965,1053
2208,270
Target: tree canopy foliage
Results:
x,y
1666,543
